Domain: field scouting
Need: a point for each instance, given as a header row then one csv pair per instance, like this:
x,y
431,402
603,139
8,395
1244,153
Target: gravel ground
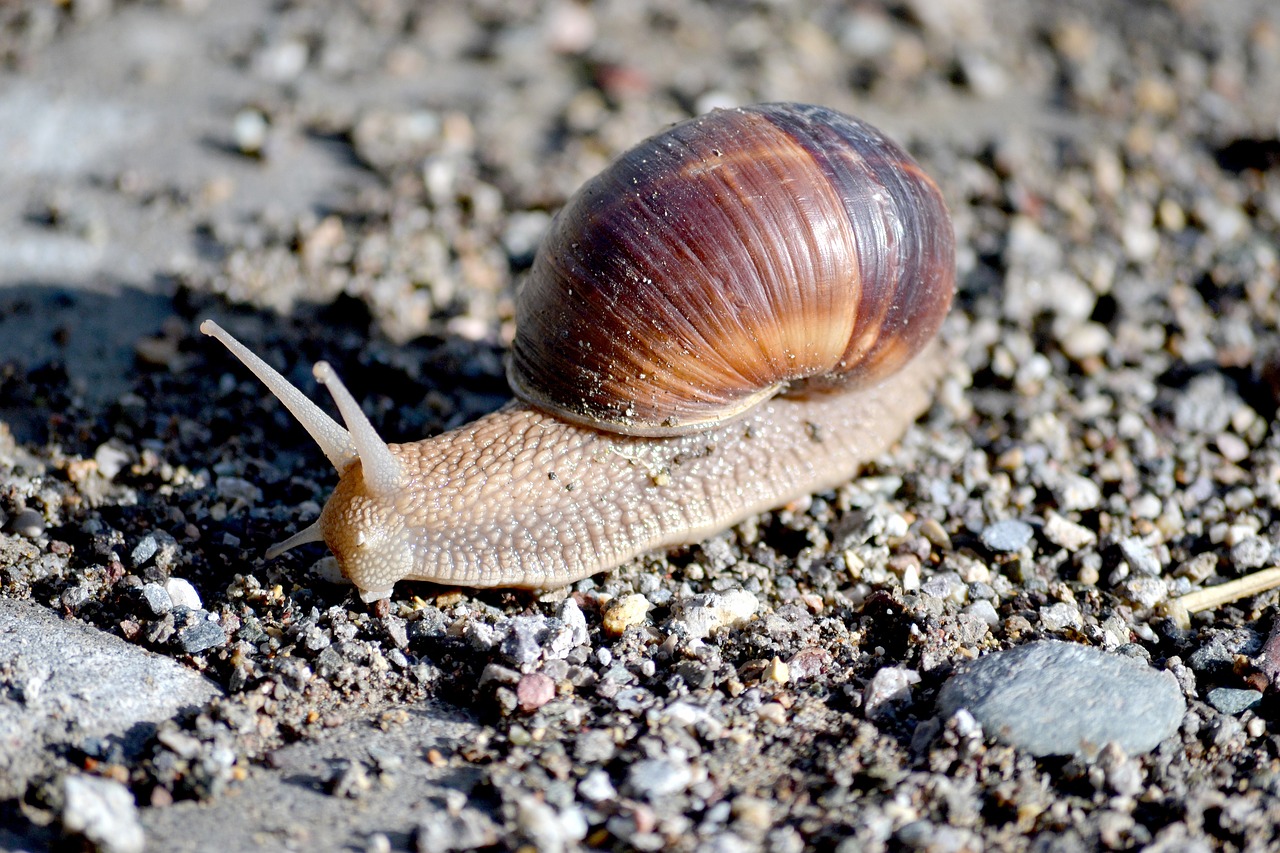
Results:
x,y
366,183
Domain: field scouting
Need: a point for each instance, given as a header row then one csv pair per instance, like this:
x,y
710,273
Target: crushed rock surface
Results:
x,y
367,183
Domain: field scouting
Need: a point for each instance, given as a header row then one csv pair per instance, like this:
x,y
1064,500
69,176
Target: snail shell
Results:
x,y
780,247
711,328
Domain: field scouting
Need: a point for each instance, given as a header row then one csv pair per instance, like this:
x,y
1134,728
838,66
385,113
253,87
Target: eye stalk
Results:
x,y
356,450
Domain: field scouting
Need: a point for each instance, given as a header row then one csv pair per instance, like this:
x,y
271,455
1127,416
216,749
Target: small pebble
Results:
x,y
597,787
1233,701
397,631
534,690
659,777
350,780
444,832
1252,552
249,130
143,551
1087,340
522,644
1144,591
777,671
888,689
1145,506
937,535
103,812
201,636
182,594
946,586
282,61
809,663
1066,533
571,615
548,829
1232,447
1075,492
594,746
523,233
1055,698
28,523
702,615
1061,616
1007,536
623,613
157,598
1139,556
985,611
1123,773
182,743
111,460
1220,651
773,712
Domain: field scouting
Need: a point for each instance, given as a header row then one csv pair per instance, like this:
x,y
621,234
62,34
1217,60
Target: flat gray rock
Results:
x,y
335,793
1054,698
62,682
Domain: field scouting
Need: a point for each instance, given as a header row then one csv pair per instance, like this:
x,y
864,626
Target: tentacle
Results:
x,y
383,476
334,441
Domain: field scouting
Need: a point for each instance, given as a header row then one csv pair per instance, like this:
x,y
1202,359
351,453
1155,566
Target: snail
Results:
x,y
736,313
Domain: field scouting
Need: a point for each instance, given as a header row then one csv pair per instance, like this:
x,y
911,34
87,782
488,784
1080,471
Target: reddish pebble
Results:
x,y
534,691
809,662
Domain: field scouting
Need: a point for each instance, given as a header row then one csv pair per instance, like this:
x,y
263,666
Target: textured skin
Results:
x,y
520,498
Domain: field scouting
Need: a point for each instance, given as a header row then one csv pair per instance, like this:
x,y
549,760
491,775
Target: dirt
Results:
x,y
366,183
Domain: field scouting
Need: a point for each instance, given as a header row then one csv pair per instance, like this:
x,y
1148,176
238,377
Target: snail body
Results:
x,y
736,313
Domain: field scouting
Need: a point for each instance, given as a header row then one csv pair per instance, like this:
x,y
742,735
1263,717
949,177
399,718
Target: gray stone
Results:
x,y
28,523
157,598
1221,649
103,812
1253,552
67,682
200,636
1054,698
1061,616
143,551
525,634
467,830
1007,536
654,778
1231,700
1139,556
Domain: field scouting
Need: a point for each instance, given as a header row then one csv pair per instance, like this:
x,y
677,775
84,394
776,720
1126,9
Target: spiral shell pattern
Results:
x,y
778,248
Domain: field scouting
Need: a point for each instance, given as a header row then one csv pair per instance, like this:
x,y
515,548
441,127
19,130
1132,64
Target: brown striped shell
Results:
x,y
778,248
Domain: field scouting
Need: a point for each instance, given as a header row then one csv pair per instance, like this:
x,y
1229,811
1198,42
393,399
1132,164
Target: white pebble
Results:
x,y
596,787
986,611
702,615
1061,616
889,688
182,593
1086,340
104,812
249,128
1066,533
